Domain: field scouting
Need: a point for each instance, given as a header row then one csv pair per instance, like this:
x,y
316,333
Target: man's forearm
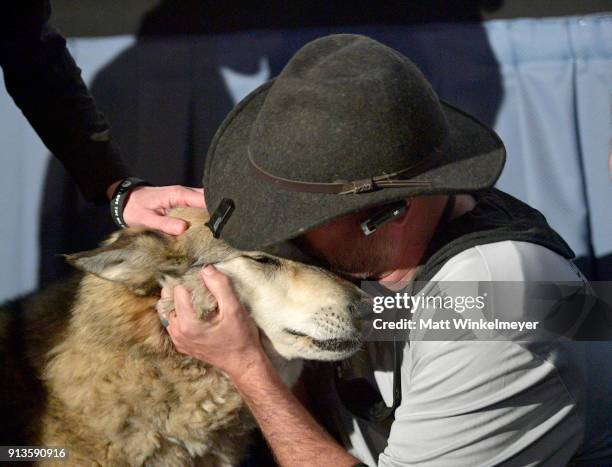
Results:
x,y
294,436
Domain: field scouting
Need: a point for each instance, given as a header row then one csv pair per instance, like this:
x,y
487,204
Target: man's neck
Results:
x,y
463,204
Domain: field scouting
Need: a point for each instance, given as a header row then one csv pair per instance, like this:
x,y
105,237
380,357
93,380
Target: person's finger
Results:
x,y
146,209
163,318
176,196
167,224
162,307
221,288
172,225
182,304
166,292
201,191
192,197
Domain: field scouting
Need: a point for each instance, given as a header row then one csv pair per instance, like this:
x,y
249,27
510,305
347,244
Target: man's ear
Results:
x,y
137,260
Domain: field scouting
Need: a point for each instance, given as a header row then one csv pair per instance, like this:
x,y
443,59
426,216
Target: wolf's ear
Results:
x,y
114,264
137,260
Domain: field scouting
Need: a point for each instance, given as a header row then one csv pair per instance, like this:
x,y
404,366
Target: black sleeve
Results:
x,y
45,83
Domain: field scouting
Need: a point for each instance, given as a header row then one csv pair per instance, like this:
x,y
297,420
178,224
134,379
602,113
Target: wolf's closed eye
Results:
x,y
265,260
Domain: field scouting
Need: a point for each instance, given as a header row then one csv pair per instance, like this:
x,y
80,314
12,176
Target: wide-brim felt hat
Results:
x,y
348,124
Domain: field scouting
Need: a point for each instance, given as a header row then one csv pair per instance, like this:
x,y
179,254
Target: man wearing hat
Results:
x,y
351,155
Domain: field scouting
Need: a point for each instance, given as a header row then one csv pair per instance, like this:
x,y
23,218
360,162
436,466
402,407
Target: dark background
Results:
x,y
113,17
165,98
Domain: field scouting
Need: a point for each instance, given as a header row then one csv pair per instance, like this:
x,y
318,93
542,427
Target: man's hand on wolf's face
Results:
x,y
228,340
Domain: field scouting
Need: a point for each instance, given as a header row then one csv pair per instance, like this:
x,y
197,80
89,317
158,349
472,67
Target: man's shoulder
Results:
x,y
508,260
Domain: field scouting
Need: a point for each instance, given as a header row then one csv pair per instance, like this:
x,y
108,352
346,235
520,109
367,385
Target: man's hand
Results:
x,y
228,340
148,206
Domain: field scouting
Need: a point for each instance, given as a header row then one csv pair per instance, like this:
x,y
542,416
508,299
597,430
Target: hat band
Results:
x,y
342,187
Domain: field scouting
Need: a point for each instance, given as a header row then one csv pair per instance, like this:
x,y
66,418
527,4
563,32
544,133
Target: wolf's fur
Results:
x,y
87,365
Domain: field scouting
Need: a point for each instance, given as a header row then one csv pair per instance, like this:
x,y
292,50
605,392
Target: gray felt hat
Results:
x,y
349,123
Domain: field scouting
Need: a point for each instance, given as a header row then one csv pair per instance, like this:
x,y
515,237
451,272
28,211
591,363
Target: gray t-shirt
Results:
x,y
478,403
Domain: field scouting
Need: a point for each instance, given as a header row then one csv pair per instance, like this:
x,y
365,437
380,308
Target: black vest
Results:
x,y
496,217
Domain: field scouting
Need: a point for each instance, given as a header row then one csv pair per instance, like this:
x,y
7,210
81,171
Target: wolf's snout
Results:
x,y
353,309
360,308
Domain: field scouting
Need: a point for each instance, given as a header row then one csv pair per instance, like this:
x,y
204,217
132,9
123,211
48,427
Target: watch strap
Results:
x,y
120,196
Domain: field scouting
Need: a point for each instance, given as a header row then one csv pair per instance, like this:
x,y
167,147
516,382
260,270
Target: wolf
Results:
x,y
88,366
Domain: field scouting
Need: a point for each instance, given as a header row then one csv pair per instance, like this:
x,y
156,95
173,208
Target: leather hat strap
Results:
x,y
342,187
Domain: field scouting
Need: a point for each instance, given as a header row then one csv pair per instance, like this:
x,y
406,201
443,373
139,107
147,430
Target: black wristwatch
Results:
x,y
120,195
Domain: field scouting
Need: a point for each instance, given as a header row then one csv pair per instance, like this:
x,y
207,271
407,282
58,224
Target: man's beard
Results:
x,y
364,259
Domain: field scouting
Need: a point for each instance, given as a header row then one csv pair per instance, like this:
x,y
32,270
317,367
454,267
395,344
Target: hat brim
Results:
x,y
265,215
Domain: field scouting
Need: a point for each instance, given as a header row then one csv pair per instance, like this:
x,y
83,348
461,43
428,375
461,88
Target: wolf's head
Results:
x,y
304,311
